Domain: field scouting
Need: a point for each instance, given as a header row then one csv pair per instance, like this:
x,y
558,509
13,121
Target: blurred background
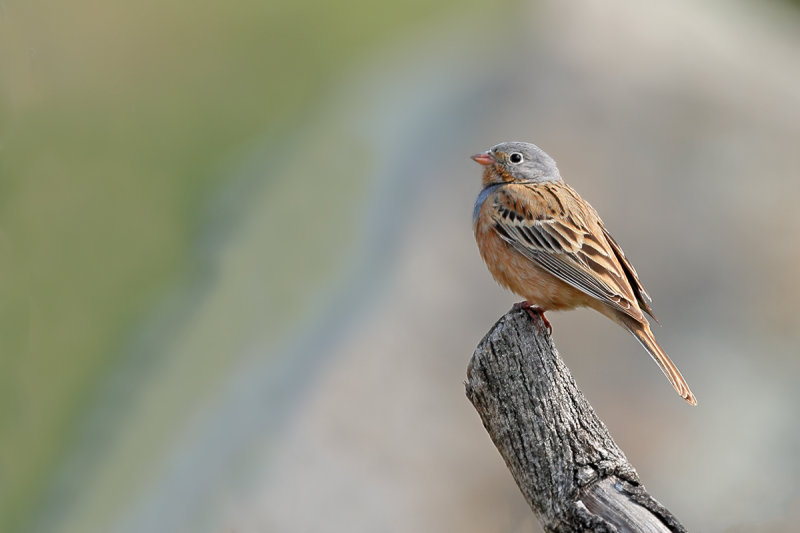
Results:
x,y
239,285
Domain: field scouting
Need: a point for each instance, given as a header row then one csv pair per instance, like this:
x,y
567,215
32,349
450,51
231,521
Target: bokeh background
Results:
x,y
239,286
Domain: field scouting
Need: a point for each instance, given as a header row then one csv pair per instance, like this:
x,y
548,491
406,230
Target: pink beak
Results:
x,y
484,158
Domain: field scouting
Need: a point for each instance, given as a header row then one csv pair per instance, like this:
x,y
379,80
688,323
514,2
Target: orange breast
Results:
x,y
519,274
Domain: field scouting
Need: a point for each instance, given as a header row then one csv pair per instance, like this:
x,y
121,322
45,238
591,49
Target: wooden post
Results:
x,y
571,472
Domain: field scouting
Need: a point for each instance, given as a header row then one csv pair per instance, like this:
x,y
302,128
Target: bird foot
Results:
x,y
533,311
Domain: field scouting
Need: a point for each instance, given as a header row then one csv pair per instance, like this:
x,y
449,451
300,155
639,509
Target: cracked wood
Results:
x,y
569,469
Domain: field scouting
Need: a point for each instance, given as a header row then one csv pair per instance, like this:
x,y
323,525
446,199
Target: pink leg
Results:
x,y
533,311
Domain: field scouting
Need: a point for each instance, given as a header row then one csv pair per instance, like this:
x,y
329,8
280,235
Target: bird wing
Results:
x,y
642,298
556,229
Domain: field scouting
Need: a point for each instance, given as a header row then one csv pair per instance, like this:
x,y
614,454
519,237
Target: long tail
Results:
x,y
645,337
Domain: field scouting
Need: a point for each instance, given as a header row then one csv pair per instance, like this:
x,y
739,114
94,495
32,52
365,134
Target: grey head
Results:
x,y
518,162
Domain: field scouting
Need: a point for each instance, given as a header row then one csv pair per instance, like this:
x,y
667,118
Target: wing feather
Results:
x,y
642,297
553,227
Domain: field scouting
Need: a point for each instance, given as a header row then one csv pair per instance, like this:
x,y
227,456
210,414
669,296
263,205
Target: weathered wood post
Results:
x,y
571,472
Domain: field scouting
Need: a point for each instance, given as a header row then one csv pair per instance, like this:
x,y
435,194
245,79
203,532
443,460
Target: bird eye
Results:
x,y
515,158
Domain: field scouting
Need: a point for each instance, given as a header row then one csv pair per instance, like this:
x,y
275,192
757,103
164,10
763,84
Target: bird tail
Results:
x,y
645,337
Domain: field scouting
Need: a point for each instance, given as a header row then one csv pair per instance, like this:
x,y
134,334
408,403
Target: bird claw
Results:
x,y
534,311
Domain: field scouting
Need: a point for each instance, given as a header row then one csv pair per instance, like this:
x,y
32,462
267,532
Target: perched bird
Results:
x,y
544,242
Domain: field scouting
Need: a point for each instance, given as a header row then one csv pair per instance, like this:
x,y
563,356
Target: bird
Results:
x,y
544,242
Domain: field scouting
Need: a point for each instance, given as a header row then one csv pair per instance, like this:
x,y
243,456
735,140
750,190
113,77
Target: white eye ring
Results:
x,y
515,158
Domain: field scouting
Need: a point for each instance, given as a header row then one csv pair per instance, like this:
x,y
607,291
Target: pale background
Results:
x,y
240,288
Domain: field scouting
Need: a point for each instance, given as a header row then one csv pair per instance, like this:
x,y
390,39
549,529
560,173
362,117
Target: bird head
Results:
x,y
517,162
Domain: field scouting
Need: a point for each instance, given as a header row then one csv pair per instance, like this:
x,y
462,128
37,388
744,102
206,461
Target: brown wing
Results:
x,y
553,227
642,297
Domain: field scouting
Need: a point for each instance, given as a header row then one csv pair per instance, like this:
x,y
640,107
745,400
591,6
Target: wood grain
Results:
x,y
569,469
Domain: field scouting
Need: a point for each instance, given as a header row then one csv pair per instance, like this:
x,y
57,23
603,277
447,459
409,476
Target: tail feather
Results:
x,y
645,337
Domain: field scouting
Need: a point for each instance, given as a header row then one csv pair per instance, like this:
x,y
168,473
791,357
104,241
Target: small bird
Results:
x,y
544,242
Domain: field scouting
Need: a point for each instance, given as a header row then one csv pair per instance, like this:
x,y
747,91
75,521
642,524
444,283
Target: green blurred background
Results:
x,y
119,124
205,205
